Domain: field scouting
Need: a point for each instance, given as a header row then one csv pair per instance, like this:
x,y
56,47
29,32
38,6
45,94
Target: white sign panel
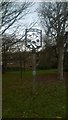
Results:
x,y
33,37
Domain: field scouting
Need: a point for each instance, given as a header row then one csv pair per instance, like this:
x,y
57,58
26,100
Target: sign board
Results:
x,y
33,38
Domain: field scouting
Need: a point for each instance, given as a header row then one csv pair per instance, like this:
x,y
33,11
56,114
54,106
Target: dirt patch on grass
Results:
x,y
51,77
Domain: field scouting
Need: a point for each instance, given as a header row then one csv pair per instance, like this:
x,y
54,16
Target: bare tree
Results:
x,y
12,12
54,18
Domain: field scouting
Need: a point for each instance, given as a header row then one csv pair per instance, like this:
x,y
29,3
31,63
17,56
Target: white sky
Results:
x,y
26,22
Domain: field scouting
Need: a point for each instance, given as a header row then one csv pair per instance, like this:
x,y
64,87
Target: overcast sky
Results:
x,y
27,21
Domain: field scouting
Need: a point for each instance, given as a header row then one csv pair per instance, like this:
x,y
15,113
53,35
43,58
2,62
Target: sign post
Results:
x,y
34,67
33,40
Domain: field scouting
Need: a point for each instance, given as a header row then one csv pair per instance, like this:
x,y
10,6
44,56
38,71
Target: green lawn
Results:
x,y
48,100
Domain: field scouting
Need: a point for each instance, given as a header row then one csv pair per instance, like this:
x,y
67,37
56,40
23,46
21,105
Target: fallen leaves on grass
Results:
x,y
59,117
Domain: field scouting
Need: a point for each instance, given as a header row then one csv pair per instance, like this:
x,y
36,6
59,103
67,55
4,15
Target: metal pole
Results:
x,y
21,65
34,68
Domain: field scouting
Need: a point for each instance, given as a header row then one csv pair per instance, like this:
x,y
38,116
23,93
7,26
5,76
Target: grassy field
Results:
x,y
19,101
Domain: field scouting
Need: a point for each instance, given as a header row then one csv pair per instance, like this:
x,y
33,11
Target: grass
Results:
x,y
48,100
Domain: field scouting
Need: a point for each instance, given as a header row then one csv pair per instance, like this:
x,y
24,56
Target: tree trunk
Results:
x,y
24,66
24,60
60,62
